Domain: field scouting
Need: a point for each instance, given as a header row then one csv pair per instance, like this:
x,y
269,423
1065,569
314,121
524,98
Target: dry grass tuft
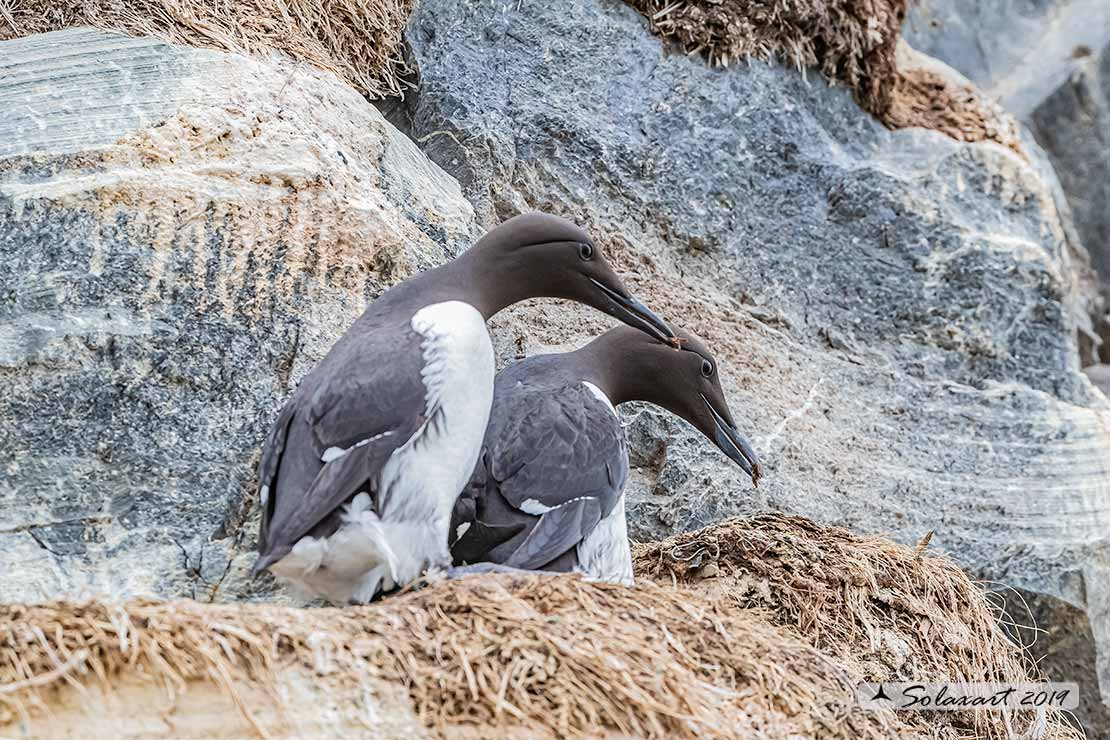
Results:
x,y
852,42
359,40
884,611
930,100
774,649
553,653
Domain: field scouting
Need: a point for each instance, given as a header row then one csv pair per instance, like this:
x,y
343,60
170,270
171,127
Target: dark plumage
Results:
x,y
547,491
359,472
551,444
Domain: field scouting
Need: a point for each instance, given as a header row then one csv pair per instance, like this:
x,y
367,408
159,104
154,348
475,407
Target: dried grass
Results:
x,y
852,42
771,647
553,653
927,99
359,40
884,611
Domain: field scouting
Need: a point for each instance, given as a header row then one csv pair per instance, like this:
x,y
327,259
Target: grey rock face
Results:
x,y
1073,125
183,234
1048,61
1017,51
892,309
1063,646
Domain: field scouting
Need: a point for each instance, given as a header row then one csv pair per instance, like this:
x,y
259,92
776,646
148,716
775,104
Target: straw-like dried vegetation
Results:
x,y
757,628
359,40
883,611
852,42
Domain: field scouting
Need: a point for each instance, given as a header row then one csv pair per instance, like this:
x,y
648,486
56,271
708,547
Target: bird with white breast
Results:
x,y
548,491
361,470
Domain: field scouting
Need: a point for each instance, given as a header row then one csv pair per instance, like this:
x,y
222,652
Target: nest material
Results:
x,y
771,646
852,42
884,611
359,40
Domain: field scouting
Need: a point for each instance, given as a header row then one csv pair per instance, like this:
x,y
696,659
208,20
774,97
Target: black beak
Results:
x,y
733,444
635,314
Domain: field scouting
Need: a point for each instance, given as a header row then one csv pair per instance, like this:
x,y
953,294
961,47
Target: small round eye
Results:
x,y
706,368
585,251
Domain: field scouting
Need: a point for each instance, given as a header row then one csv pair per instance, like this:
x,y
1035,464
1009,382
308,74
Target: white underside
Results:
x,y
374,551
606,554
600,394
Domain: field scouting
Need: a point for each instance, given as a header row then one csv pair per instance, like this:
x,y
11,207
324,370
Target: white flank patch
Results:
x,y
534,507
461,530
606,554
600,395
334,453
264,495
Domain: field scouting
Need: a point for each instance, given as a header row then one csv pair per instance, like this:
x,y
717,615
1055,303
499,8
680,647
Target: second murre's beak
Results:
x,y
634,313
733,444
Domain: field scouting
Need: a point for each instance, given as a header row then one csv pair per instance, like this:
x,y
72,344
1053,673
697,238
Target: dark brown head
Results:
x,y
537,255
681,376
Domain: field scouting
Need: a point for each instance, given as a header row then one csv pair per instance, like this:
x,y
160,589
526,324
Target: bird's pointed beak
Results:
x,y
734,445
636,314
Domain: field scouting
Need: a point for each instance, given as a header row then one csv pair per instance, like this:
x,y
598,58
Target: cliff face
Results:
x,y
1049,64
898,310
183,234
901,315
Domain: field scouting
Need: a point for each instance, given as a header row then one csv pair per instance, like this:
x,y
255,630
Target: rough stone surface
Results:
x,y
1073,125
1058,636
1048,61
1100,376
183,234
893,310
1017,51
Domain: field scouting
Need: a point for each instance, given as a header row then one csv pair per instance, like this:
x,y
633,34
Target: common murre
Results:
x,y
547,492
362,467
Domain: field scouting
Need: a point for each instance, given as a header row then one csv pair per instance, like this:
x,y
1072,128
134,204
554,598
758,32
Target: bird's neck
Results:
x,y
612,367
475,278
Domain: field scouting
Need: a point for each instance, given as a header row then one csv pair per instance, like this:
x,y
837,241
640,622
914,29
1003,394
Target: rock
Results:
x,y
1073,125
183,234
1100,376
945,267
1049,63
1017,51
1059,638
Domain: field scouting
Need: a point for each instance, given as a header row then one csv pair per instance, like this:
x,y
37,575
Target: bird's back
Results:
x,y
553,465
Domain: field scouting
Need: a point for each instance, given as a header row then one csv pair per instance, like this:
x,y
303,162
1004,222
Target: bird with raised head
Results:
x,y
361,469
548,490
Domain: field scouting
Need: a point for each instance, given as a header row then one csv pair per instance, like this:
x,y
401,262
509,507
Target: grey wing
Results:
x,y
560,457
333,437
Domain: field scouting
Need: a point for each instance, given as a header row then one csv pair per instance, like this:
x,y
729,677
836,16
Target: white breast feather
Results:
x,y
420,481
600,394
606,554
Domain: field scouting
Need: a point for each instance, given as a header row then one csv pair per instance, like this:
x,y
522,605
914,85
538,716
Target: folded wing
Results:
x,y
333,437
554,464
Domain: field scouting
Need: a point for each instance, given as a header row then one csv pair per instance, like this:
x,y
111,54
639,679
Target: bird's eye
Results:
x,y
706,368
585,251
